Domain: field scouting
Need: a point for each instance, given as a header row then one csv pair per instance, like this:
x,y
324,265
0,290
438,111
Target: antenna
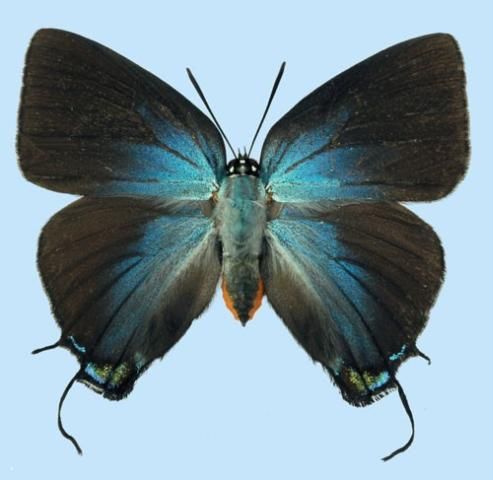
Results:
x,y
272,93
202,96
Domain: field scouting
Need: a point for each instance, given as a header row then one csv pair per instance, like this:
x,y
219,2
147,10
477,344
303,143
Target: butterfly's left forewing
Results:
x,y
92,122
354,284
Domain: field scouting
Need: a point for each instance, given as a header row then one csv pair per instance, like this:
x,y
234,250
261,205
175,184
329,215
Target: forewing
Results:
x,y
126,277
393,127
354,285
93,122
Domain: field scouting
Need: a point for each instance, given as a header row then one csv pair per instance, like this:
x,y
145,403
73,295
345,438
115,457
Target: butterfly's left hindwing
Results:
x,y
354,284
92,122
126,277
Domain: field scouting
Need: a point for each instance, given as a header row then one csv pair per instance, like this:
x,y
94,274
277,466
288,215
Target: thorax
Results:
x,y
240,215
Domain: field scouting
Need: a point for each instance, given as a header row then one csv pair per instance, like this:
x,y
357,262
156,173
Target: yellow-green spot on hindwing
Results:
x,y
367,380
107,373
119,375
356,379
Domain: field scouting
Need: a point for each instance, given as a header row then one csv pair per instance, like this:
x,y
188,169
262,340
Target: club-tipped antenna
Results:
x,y
272,93
202,96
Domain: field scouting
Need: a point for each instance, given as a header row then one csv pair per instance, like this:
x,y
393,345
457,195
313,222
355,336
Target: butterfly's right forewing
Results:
x,y
393,127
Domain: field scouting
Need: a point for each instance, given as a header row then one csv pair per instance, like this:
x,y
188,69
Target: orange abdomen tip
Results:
x,y
228,300
253,307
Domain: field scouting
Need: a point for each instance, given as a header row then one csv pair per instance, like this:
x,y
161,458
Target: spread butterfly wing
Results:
x,y
126,277
393,127
354,285
93,122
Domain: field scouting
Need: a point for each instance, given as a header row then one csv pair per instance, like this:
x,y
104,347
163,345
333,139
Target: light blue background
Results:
x,y
231,402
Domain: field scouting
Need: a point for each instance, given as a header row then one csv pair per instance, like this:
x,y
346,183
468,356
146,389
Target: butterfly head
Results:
x,y
243,165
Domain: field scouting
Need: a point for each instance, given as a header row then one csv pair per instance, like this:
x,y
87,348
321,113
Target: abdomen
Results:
x,y
240,218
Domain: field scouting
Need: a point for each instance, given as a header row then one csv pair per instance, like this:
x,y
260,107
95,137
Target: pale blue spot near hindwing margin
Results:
x,y
399,354
91,371
76,345
381,380
139,360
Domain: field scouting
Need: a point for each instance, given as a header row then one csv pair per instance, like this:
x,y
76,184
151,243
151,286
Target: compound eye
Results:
x,y
243,166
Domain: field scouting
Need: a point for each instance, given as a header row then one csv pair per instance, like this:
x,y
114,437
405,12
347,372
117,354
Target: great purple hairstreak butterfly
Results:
x,y
315,224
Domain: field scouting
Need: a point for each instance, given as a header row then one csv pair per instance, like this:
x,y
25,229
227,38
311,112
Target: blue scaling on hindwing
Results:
x,y
136,279
309,247
335,280
166,245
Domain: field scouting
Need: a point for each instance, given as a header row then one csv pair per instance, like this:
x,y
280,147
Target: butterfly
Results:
x,y
315,224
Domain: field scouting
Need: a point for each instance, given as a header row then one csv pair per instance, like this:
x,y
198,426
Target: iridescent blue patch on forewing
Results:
x,y
333,174
279,155
324,189
176,139
76,345
287,156
154,171
313,166
187,139
174,166
399,354
215,154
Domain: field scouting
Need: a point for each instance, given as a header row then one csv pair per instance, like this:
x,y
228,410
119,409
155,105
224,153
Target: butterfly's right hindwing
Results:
x,y
354,284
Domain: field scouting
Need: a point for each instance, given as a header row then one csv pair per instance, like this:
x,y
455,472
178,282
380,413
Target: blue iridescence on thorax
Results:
x,y
240,215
